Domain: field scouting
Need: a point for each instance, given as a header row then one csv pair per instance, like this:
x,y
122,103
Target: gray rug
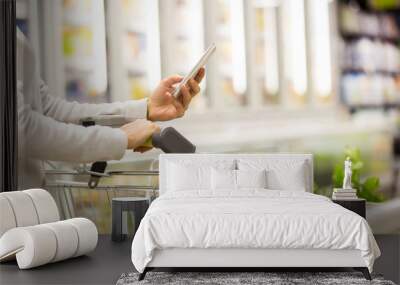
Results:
x,y
230,278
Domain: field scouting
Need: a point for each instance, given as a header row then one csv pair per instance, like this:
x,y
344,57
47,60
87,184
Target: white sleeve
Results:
x,y
47,139
72,112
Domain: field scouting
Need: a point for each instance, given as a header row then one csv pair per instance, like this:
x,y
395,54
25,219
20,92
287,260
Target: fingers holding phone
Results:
x,y
200,75
194,87
196,70
172,97
191,89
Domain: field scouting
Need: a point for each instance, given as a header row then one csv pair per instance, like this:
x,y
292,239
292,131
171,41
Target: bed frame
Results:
x,y
242,259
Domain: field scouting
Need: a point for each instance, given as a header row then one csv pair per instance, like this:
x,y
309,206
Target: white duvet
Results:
x,y
250,219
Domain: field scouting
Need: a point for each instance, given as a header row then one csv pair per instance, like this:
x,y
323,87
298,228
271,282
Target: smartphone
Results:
x,y
202,61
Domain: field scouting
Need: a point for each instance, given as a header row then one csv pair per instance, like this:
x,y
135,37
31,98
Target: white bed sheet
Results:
x,y
250,219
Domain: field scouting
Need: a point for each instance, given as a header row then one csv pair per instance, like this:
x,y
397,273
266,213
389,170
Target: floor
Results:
x,y
110,260
389,262
102,266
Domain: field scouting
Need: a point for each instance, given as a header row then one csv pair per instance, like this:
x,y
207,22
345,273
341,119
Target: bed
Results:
x,y
247,210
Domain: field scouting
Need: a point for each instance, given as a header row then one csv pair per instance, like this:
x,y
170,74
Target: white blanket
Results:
x,y
250,219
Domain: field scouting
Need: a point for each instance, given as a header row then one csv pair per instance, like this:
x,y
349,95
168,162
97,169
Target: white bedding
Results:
x,y
250,219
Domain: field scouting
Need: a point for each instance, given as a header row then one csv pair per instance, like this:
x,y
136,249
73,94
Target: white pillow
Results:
x,y
185,174
227,179
223,179
282,174
183,177
251,178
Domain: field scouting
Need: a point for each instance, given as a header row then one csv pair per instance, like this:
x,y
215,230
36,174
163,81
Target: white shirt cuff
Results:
x,y
135,109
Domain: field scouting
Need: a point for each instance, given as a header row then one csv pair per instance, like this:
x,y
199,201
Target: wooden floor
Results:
x,y
110,260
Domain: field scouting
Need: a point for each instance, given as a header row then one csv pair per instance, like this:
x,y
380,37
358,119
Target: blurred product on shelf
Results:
x,y
134,47
230,39
133,42
84,50
182,33
370,89
355,22
370,54
137,87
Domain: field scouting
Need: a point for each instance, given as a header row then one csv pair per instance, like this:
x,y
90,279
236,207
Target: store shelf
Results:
x,y
385,107
370,67
375,72
392,10
349,36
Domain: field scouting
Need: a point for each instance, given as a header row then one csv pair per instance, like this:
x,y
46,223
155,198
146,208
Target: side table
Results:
x,y
357,206
137,205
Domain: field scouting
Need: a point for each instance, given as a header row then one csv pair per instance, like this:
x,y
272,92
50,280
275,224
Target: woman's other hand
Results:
x,y
138,132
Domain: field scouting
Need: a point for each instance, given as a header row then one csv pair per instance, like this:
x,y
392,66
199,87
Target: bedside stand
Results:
x,y
356,206
137,205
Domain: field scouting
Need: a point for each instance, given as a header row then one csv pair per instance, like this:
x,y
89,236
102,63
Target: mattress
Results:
x,y
251,219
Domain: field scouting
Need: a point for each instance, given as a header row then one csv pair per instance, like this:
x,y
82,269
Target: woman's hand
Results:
x,y
163,106
138,132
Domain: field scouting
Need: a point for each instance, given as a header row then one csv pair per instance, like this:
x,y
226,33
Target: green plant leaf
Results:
x,y
337,176
355,180
369,189
325,191
371,184
357,165
354,153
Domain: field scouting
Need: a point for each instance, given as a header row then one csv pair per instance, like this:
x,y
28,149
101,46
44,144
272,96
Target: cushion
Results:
x,y
183,178
40,244
281,174
23,208
26,208
34,244
45,205
67,240
193,175
251,178
87,233
223,179
226,179
7,218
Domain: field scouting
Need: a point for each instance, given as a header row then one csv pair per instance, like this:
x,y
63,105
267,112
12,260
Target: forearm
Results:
x,y
47,139
72,112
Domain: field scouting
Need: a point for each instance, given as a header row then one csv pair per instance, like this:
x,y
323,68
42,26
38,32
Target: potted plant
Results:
x,y
367,188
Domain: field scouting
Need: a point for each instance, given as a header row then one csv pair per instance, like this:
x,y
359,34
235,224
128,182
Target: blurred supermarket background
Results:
x,y
312,76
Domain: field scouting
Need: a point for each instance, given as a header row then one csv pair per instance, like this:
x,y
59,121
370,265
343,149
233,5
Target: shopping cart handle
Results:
x,y
99,167
96,172
170,140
